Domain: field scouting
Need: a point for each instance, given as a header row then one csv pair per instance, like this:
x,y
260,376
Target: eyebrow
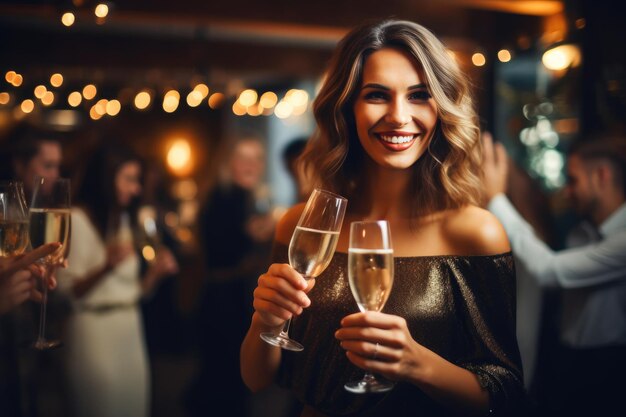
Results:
x,y
382,87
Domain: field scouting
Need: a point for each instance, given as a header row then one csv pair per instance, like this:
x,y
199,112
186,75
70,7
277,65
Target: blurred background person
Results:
x,y
290,155
30,151
236,227
105,353
590,274
34,152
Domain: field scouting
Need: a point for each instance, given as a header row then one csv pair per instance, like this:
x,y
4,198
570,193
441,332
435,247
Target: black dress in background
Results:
x,y
234,261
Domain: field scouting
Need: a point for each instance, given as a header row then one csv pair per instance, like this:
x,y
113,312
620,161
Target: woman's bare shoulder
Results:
x,y
472,230
287,223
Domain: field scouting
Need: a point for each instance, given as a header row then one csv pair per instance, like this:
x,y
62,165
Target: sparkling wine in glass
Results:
x,y
312,247
370,273
49,222
13,218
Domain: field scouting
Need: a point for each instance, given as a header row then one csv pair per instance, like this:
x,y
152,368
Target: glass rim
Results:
x,y
323,191
383,221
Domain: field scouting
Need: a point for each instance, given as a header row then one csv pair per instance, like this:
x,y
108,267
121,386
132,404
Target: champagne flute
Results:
x,y
49,222
370,273
312,247
13,218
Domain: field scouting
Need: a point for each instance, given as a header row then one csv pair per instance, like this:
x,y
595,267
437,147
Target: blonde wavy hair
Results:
x,y
448,174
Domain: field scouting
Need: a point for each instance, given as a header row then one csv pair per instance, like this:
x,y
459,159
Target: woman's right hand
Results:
x,y
281,293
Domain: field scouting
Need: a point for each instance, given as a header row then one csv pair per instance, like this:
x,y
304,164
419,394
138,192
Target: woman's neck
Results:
x,y
387,194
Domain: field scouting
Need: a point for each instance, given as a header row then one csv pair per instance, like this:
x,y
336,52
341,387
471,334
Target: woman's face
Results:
x,y
127,182
394,112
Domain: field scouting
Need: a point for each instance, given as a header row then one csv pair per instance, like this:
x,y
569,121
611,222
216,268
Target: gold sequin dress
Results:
x,y
461,307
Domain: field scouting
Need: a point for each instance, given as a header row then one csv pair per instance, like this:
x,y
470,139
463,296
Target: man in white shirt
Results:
x,y
591,276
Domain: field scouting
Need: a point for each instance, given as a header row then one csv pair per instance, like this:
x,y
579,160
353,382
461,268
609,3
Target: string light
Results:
x,y
113,107
171,101
5,98
478,59
27,106
248,97
283,109
268,100
89,91
74,99
216,100
9,76
101,10
142,100
202,89
40,90
56,80
48,98
68,19
17,80
504,55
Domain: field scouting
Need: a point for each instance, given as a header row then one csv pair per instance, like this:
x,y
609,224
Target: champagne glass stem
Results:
x,y
285,330
44,302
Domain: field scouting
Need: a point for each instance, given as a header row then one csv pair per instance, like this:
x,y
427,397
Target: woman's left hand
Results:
x,y
381,343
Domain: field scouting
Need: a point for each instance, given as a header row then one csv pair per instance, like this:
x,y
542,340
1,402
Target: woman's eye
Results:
x,y
375,95
420,95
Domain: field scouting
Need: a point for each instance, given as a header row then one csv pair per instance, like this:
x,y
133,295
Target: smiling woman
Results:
x,y
397,135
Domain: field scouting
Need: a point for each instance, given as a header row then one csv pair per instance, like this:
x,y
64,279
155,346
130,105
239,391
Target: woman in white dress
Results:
x,y
106,360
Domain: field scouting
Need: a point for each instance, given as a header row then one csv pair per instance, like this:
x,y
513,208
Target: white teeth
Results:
x,y
397,139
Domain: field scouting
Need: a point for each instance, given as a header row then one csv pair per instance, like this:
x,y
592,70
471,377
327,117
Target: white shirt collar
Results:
x,y
615,223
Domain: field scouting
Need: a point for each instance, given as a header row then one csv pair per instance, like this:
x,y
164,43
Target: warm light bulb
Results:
x,y
268,99
48,98
9,76
216,100
102,10
179,157
283,110
17,80
478,59
239,109
89,91
142,100
561,57
5,98
27,106
194,98
202,89
56,80
248,97
68,19
74,99
40,90
113,107
504,55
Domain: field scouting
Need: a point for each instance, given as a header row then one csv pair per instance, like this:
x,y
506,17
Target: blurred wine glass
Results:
x,y
49,222
13,218
149,235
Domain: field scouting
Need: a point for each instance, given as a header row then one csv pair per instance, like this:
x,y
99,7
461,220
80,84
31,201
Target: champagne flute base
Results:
x,y
46,344
282,342
368,385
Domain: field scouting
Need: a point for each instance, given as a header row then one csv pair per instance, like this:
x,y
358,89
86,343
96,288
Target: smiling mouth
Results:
x,y
397,139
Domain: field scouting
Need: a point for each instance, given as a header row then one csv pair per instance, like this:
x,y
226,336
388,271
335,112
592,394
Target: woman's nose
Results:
x,y
398,113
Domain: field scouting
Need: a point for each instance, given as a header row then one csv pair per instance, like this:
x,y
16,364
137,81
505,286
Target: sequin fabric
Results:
x,y
461,307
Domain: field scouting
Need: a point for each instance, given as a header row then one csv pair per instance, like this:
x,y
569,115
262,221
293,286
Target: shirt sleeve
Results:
x,y
586,266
